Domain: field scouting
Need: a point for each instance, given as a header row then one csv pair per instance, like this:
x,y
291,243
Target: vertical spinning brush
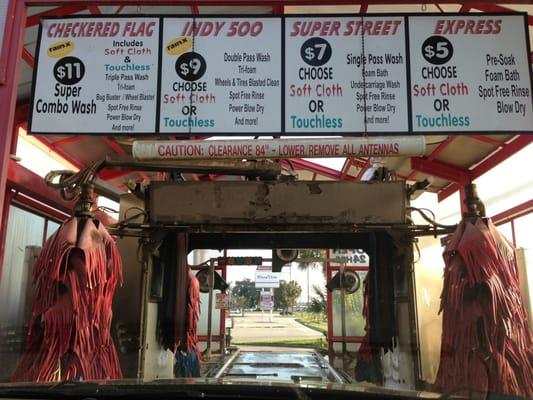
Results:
x,y
74,280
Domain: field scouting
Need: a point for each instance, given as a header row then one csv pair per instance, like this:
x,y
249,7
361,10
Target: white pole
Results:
x,y
272,294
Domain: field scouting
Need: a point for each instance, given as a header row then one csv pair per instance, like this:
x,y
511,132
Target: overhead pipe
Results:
x,y
388,146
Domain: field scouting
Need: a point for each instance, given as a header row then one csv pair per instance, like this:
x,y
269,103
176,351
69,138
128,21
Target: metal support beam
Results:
x,y
515,212
60,152
24,181
67,140
495,8
486,139
63,10
441,169
299,163
94,9
363,170
465,8
501,155
510,148
41,208
435,153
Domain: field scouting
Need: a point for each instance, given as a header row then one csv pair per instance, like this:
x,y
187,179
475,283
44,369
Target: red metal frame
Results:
x,y
441,169
63,10
222,323
298,163
486,139
22,180
4,47
8,94
330,269
278,8
501,154
261,2
513,213
36,207
509,216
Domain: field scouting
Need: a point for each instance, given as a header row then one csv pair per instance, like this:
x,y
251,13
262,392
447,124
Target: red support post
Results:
x,y
7,28
8,94
462,197
222,329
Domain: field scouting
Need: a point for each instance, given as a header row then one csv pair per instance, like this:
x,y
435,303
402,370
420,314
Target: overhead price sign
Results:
x,y
296,75
221,75
345,74
470,73
96,75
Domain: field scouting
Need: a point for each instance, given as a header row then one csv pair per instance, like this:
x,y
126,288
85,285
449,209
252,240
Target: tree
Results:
x,y
310,253
286,295
306,266
318,304
245,294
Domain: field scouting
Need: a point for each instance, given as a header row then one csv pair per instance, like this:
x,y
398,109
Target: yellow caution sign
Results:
x,y
61,48
178,45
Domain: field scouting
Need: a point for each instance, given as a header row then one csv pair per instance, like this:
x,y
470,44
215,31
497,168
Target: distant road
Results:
x,y
255,327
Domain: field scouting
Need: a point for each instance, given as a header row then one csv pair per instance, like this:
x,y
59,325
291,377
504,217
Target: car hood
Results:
x,y
203,388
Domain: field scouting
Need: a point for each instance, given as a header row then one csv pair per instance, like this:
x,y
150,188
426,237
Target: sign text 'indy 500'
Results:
x,y
295,75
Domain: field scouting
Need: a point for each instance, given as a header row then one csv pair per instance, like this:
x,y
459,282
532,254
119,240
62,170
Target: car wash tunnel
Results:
x,y
266,199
